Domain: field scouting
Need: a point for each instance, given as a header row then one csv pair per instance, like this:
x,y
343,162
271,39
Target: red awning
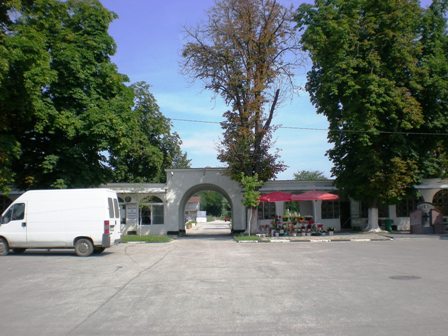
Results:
x,y
315,196
276,196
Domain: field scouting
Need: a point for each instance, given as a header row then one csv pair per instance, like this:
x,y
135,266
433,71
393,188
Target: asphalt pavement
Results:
x,y
212,285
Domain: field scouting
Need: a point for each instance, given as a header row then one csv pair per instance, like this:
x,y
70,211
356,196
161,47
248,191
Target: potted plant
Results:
x,y
330,230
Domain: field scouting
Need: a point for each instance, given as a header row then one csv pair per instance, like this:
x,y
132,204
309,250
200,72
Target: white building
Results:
x,y
160,208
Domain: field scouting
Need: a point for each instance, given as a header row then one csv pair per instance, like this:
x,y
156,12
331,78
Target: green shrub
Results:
x,y
146,238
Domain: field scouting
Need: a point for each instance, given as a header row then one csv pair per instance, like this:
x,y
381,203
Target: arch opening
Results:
x,y
206,210
440,201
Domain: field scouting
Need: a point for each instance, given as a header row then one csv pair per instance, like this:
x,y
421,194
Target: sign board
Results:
x,y
131,213
201,217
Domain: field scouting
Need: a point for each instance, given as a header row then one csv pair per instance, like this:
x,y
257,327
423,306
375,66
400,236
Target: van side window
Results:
x,y
111,207
116,208
18,211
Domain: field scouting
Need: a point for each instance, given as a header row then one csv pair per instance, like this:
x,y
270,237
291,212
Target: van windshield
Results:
x,y
7,217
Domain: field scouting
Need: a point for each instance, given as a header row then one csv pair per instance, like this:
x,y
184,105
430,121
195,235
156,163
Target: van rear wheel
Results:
x,y
4,247
83,247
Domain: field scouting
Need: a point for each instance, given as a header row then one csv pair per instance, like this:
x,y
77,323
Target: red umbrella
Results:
x,y
315,196
276,196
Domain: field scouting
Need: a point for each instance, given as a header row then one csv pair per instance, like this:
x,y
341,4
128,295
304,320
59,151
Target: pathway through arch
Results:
x,y
213,228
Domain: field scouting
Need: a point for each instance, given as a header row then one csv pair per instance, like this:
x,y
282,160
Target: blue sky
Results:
x,y
150,36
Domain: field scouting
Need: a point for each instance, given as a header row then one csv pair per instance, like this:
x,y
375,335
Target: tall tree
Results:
x,y
65,99
433,150
9,147
364,80
154,148
245,54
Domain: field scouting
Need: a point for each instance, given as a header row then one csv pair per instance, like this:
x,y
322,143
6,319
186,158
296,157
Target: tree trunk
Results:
x,y
373,220
252,222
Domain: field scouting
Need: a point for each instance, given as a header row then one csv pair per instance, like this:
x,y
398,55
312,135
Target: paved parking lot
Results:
x,y
215,286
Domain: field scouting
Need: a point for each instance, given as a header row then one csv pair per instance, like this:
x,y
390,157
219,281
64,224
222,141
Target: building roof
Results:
x,y
137,188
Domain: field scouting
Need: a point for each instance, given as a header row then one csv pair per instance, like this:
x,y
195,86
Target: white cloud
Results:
x,y
190,105
201,144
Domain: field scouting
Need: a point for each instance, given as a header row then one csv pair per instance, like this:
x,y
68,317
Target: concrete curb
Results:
x,y
318,239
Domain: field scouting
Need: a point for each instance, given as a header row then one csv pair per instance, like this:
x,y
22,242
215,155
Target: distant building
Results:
x,y
192,207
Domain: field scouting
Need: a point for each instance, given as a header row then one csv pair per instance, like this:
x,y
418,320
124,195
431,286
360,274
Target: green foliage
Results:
x,y
364,79
67,118
251,185
433,151
63,102
213,202
309,175
154,147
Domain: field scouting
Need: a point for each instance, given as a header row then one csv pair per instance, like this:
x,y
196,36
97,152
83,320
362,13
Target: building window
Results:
x,y
266,210
330,209
157,213
151,211
440,201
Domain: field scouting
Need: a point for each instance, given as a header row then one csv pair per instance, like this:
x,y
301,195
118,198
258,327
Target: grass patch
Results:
x,y
242,237
146,238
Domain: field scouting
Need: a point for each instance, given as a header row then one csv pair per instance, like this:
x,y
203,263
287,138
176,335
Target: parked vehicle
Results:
x,y
87,220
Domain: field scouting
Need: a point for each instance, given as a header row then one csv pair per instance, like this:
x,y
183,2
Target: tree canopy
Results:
x,y
214,203
433,150
67,117
154,148
365,80
245,54
309,175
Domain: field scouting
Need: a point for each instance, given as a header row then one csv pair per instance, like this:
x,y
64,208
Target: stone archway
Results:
x,y
183,183
195,190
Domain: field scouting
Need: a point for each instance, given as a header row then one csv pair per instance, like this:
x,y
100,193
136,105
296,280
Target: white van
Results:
x,y
85,219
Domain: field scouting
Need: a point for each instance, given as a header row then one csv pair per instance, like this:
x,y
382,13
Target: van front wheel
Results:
x,y
83,247
4,247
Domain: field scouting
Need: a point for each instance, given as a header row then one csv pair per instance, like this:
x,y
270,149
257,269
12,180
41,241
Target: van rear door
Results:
x,y
114,219
14,226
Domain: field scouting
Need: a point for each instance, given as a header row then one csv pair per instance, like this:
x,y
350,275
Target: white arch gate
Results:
x,y
183,183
